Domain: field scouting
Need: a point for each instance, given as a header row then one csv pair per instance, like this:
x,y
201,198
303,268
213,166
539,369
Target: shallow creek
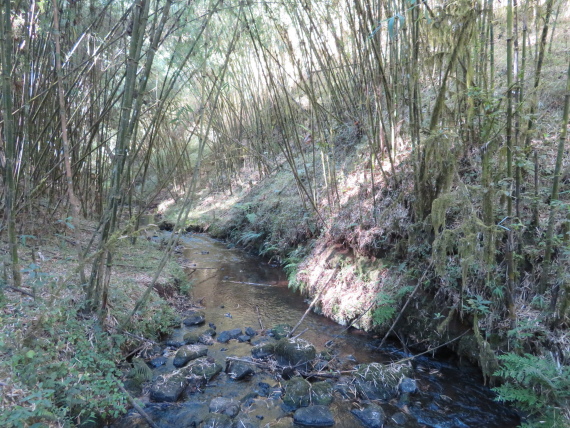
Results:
x,y
237,291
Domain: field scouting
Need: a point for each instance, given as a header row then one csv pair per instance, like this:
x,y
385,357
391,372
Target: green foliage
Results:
x,y
385,310
538,385
68,365
290,265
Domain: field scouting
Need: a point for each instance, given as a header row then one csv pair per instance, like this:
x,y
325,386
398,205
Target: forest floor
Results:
x,y
58,363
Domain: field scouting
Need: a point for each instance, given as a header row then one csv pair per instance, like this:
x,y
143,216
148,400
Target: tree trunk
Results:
x,y
9,137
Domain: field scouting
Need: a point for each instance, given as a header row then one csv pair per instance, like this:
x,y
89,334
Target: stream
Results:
x,y
240,291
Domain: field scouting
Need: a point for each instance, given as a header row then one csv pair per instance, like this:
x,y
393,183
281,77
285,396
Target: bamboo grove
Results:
x,y
108,103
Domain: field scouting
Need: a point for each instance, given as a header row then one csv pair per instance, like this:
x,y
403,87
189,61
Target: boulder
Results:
x,y
250,332
195,318
226,336
189,353
371,417
314,416
243,338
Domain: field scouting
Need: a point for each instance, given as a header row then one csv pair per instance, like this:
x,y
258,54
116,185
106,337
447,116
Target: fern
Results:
x,y
538,385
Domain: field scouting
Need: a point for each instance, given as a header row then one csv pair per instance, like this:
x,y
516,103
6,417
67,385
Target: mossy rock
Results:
x,y
203,368
191,338
321,393
280,331
294,352
263,350
376,381
189,353
297,393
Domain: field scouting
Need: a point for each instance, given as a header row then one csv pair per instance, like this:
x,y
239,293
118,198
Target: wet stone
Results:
x,y
250,332
226,336
195,318
371,417
174,343
224,406
195,384
243,338
158,361
209,332
189,353
408,386
239,370
314,416
167,389
263,350
203,368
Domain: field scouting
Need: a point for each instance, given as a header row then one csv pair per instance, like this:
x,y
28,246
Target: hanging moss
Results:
x,y
462,235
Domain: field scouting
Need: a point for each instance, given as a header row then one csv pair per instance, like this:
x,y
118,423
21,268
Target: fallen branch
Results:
x,y
138,408
19,290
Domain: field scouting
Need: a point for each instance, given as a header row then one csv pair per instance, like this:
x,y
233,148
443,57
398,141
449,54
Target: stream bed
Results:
x,y
230,364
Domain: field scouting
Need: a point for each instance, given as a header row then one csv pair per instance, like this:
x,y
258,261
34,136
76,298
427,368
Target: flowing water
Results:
x,y
230,282
238,290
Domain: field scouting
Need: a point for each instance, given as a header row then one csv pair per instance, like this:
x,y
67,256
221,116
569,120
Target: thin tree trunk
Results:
x,y
100,274
546,264
9,137
73,201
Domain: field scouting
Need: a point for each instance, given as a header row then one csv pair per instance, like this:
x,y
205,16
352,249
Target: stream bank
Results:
x,y
231,364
